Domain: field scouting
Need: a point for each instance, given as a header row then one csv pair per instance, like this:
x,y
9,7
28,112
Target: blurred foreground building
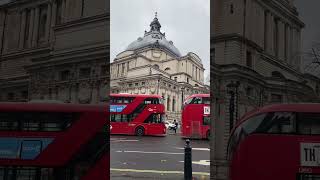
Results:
x,y
54,49
255,60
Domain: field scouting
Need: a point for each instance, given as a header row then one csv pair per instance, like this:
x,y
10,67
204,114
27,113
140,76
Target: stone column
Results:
x,y
219,130
48,22
36,27
31,28
63,11
288,43
53,20
281,44
292,53
22,29
270,37
298,62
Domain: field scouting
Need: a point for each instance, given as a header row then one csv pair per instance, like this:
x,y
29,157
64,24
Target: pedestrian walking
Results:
x,y
176,126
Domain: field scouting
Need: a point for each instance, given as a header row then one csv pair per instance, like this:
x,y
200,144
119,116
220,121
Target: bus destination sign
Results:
x,y
310,154
206,110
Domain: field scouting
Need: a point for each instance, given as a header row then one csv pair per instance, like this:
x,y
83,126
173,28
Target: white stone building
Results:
x,y
153,65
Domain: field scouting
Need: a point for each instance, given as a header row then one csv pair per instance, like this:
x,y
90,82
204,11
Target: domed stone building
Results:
x,y
153,65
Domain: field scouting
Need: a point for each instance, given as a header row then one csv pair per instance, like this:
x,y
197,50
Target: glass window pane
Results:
x,y
309,123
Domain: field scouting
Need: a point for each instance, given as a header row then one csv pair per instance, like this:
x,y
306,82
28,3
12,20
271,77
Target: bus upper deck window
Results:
x,y
197,100
309,123
206,100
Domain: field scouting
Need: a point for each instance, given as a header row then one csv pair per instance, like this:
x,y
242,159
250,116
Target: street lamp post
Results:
x,y
233,91
182,97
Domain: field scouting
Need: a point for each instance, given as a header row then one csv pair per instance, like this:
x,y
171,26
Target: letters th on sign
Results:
x,y
310,154
206,110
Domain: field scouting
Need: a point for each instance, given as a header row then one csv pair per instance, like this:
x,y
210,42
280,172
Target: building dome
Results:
x,y
154,38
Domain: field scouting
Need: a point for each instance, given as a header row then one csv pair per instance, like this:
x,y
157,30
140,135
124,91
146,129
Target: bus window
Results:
x,y
206,120
154,118
22,173
188,101
309,123
283,123
151,101
196,100
206,100
250,126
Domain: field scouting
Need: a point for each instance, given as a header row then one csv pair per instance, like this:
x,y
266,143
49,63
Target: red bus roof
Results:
x,y
136,95
51,107
299,107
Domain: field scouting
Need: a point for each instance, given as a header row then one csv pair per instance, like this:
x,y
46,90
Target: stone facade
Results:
x,y
54,49
255,54
152,65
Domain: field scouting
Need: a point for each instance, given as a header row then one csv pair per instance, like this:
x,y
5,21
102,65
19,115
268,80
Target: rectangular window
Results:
x,y
123,68
59,12
42,21
275,36
26,30
283,123
10,96
206,120
249,59
276,98
206,100
103,70
309,123
265,29
36,121
64,75
84,73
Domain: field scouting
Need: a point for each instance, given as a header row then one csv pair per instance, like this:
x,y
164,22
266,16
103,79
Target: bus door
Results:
x,y
155,123
196,129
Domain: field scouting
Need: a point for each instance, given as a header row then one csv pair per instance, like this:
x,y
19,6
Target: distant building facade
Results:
x,y
54,49
255,61
153,65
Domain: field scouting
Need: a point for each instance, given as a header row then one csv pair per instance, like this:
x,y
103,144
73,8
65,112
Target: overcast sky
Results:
x,y
185,22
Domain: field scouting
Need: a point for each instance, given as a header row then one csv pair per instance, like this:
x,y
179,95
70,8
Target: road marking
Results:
x,y
158,172
144,152
197,149
125,140
201,162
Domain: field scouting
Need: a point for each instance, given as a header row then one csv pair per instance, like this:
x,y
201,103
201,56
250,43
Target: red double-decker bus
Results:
x,y
137,114
51,141
277,142
195,117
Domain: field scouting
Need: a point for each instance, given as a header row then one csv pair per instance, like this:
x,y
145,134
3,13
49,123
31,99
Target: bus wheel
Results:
x,y
140,131
208,135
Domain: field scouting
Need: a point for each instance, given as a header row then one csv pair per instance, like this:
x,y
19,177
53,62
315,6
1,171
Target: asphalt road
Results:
x,y
156,157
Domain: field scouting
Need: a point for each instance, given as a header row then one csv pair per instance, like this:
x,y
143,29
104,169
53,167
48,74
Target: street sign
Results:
x,y
310,154
206,110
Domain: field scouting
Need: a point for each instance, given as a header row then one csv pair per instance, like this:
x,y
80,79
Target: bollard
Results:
x,y
187,161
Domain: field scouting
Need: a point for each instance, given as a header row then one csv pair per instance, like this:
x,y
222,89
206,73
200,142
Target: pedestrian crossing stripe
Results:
x,y
158,171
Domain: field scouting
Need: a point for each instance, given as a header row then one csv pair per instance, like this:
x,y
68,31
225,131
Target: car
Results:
x,y
170,126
